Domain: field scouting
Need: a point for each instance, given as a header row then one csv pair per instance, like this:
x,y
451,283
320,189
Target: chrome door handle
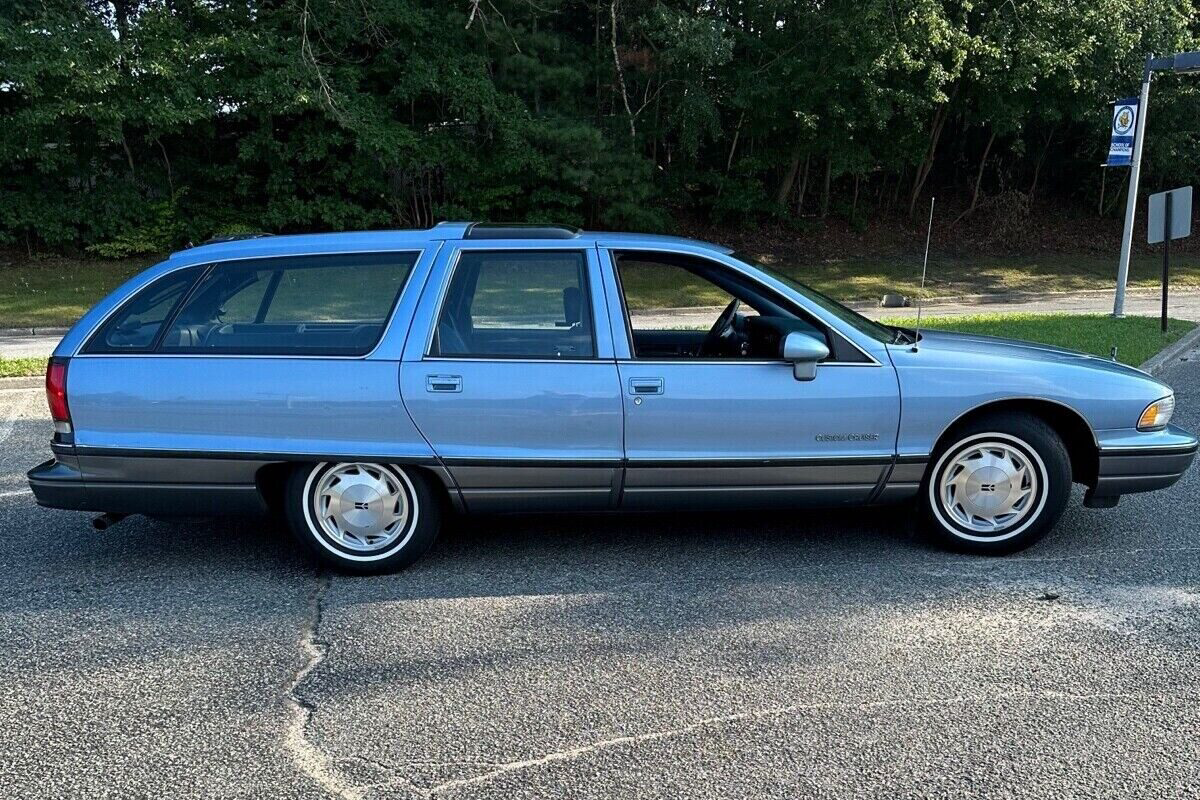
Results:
x,y
645,385
443,383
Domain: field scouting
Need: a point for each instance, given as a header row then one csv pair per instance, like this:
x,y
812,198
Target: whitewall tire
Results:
x,y
997,484
363,517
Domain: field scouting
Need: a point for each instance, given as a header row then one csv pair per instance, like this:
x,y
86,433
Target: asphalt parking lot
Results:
x,y
793,655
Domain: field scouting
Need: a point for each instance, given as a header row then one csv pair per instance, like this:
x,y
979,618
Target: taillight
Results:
x,y
56,394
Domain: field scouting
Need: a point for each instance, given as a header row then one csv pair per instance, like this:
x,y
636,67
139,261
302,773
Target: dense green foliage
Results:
x,y
134,125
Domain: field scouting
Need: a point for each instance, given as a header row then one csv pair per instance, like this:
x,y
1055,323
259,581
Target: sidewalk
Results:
x,y
28,345
1185,304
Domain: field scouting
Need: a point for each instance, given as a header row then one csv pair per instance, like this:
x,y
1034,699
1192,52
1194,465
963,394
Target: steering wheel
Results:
x,y
722,331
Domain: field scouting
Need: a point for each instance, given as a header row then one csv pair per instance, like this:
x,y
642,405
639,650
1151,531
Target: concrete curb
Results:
x,y
1171,352
15,332
29,382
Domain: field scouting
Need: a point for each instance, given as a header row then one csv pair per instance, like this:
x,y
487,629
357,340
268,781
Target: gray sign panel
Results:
x,y
1181,214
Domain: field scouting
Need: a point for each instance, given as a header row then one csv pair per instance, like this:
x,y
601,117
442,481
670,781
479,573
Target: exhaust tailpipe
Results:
x,y
107,520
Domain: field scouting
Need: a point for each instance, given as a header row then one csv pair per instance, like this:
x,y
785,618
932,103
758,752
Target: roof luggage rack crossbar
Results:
x,y
491,230
234,237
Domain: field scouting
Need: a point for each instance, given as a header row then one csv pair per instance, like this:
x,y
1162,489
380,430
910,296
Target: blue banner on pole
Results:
x,y
1124,126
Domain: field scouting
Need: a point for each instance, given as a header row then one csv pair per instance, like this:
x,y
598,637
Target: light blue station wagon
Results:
x,y
367,384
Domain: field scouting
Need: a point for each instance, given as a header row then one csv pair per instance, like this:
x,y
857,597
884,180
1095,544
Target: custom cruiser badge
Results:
x,y
847,437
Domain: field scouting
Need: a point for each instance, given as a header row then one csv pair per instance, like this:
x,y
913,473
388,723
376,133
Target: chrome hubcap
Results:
x,y
362,507
989,487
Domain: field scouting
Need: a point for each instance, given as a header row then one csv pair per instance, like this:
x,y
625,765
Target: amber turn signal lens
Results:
x,y
1157,414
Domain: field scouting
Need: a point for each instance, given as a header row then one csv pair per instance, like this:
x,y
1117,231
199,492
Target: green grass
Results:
x,y
1136,338
18,367
54,292
869,279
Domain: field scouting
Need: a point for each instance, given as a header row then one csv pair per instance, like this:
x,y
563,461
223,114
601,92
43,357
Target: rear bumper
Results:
x,y
57,484
1160,462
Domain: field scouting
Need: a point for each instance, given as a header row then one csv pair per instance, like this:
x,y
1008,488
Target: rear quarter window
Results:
x,y
311,305
136,325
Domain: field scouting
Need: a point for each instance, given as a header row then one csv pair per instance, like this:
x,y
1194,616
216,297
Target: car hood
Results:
x,y
992,346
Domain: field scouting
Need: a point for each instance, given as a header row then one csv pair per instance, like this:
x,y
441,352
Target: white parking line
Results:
x,y
16,493
10,420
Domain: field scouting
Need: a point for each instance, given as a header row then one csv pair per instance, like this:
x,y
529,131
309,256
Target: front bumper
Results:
x,y
1143,462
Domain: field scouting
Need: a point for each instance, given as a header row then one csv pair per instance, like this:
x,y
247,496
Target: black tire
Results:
x,y
1014,439
411,535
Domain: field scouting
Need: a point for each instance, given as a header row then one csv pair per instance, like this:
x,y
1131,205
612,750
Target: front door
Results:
x,y
511,380
714,416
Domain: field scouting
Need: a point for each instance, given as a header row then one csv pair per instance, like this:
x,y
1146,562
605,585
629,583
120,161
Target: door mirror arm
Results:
x,y
805,352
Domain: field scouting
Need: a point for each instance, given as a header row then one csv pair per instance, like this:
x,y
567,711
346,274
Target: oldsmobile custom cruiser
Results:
x,y
367,384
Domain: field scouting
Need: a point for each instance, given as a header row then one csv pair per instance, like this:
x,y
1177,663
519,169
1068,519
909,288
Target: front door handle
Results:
x,y
645,385
443,383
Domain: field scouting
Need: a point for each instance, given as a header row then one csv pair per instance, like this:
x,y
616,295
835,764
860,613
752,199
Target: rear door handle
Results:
x,y
443,383
645,385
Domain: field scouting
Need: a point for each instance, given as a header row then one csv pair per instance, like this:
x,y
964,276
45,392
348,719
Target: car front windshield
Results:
x,y
875,330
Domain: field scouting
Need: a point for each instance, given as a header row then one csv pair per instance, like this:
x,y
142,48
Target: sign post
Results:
x,y
1139,129
1180,64
1170,217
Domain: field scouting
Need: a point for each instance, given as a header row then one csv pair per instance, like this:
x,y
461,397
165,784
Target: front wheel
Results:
x,y
362,518
998,485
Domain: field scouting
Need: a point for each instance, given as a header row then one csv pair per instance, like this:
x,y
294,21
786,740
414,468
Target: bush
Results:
x,y
162,231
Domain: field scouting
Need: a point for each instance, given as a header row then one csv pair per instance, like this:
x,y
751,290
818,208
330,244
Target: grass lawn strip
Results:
x,y
1136,338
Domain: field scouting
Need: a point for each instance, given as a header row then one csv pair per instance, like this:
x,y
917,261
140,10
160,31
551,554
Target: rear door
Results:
x,y
509,373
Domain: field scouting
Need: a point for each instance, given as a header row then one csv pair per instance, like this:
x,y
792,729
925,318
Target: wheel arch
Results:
x,y
271,480
1071,426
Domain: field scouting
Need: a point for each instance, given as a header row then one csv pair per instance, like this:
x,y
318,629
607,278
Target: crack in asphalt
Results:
x,y
573,753
307,757
319,767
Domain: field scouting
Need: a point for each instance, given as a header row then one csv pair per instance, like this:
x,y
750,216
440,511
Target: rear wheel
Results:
x,y
362,518
998,485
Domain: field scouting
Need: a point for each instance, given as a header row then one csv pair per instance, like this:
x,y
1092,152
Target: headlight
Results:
x,y
1157,414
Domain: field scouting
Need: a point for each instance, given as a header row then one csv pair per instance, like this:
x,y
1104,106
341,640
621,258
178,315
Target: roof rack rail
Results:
x,y
234,237
517,230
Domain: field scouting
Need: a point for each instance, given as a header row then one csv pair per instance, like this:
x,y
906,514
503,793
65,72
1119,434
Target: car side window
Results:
x,y
681,307
516,304
136,325
309,305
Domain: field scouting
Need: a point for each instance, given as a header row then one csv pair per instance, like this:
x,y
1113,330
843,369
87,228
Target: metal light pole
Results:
x,y
1182,63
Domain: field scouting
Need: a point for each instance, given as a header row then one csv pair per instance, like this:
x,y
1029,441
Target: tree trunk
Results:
x,y
1037,169
978,178
612,9
737,132
167,164
789,178
803,187
825,192
926,165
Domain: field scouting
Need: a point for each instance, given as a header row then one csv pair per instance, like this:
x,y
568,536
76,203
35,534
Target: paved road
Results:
x,y
28,345
590,657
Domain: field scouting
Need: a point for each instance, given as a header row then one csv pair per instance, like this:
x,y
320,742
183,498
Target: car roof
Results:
x,y
261,245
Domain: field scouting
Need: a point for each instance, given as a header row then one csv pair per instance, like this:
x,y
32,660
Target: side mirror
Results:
x,y
804,352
